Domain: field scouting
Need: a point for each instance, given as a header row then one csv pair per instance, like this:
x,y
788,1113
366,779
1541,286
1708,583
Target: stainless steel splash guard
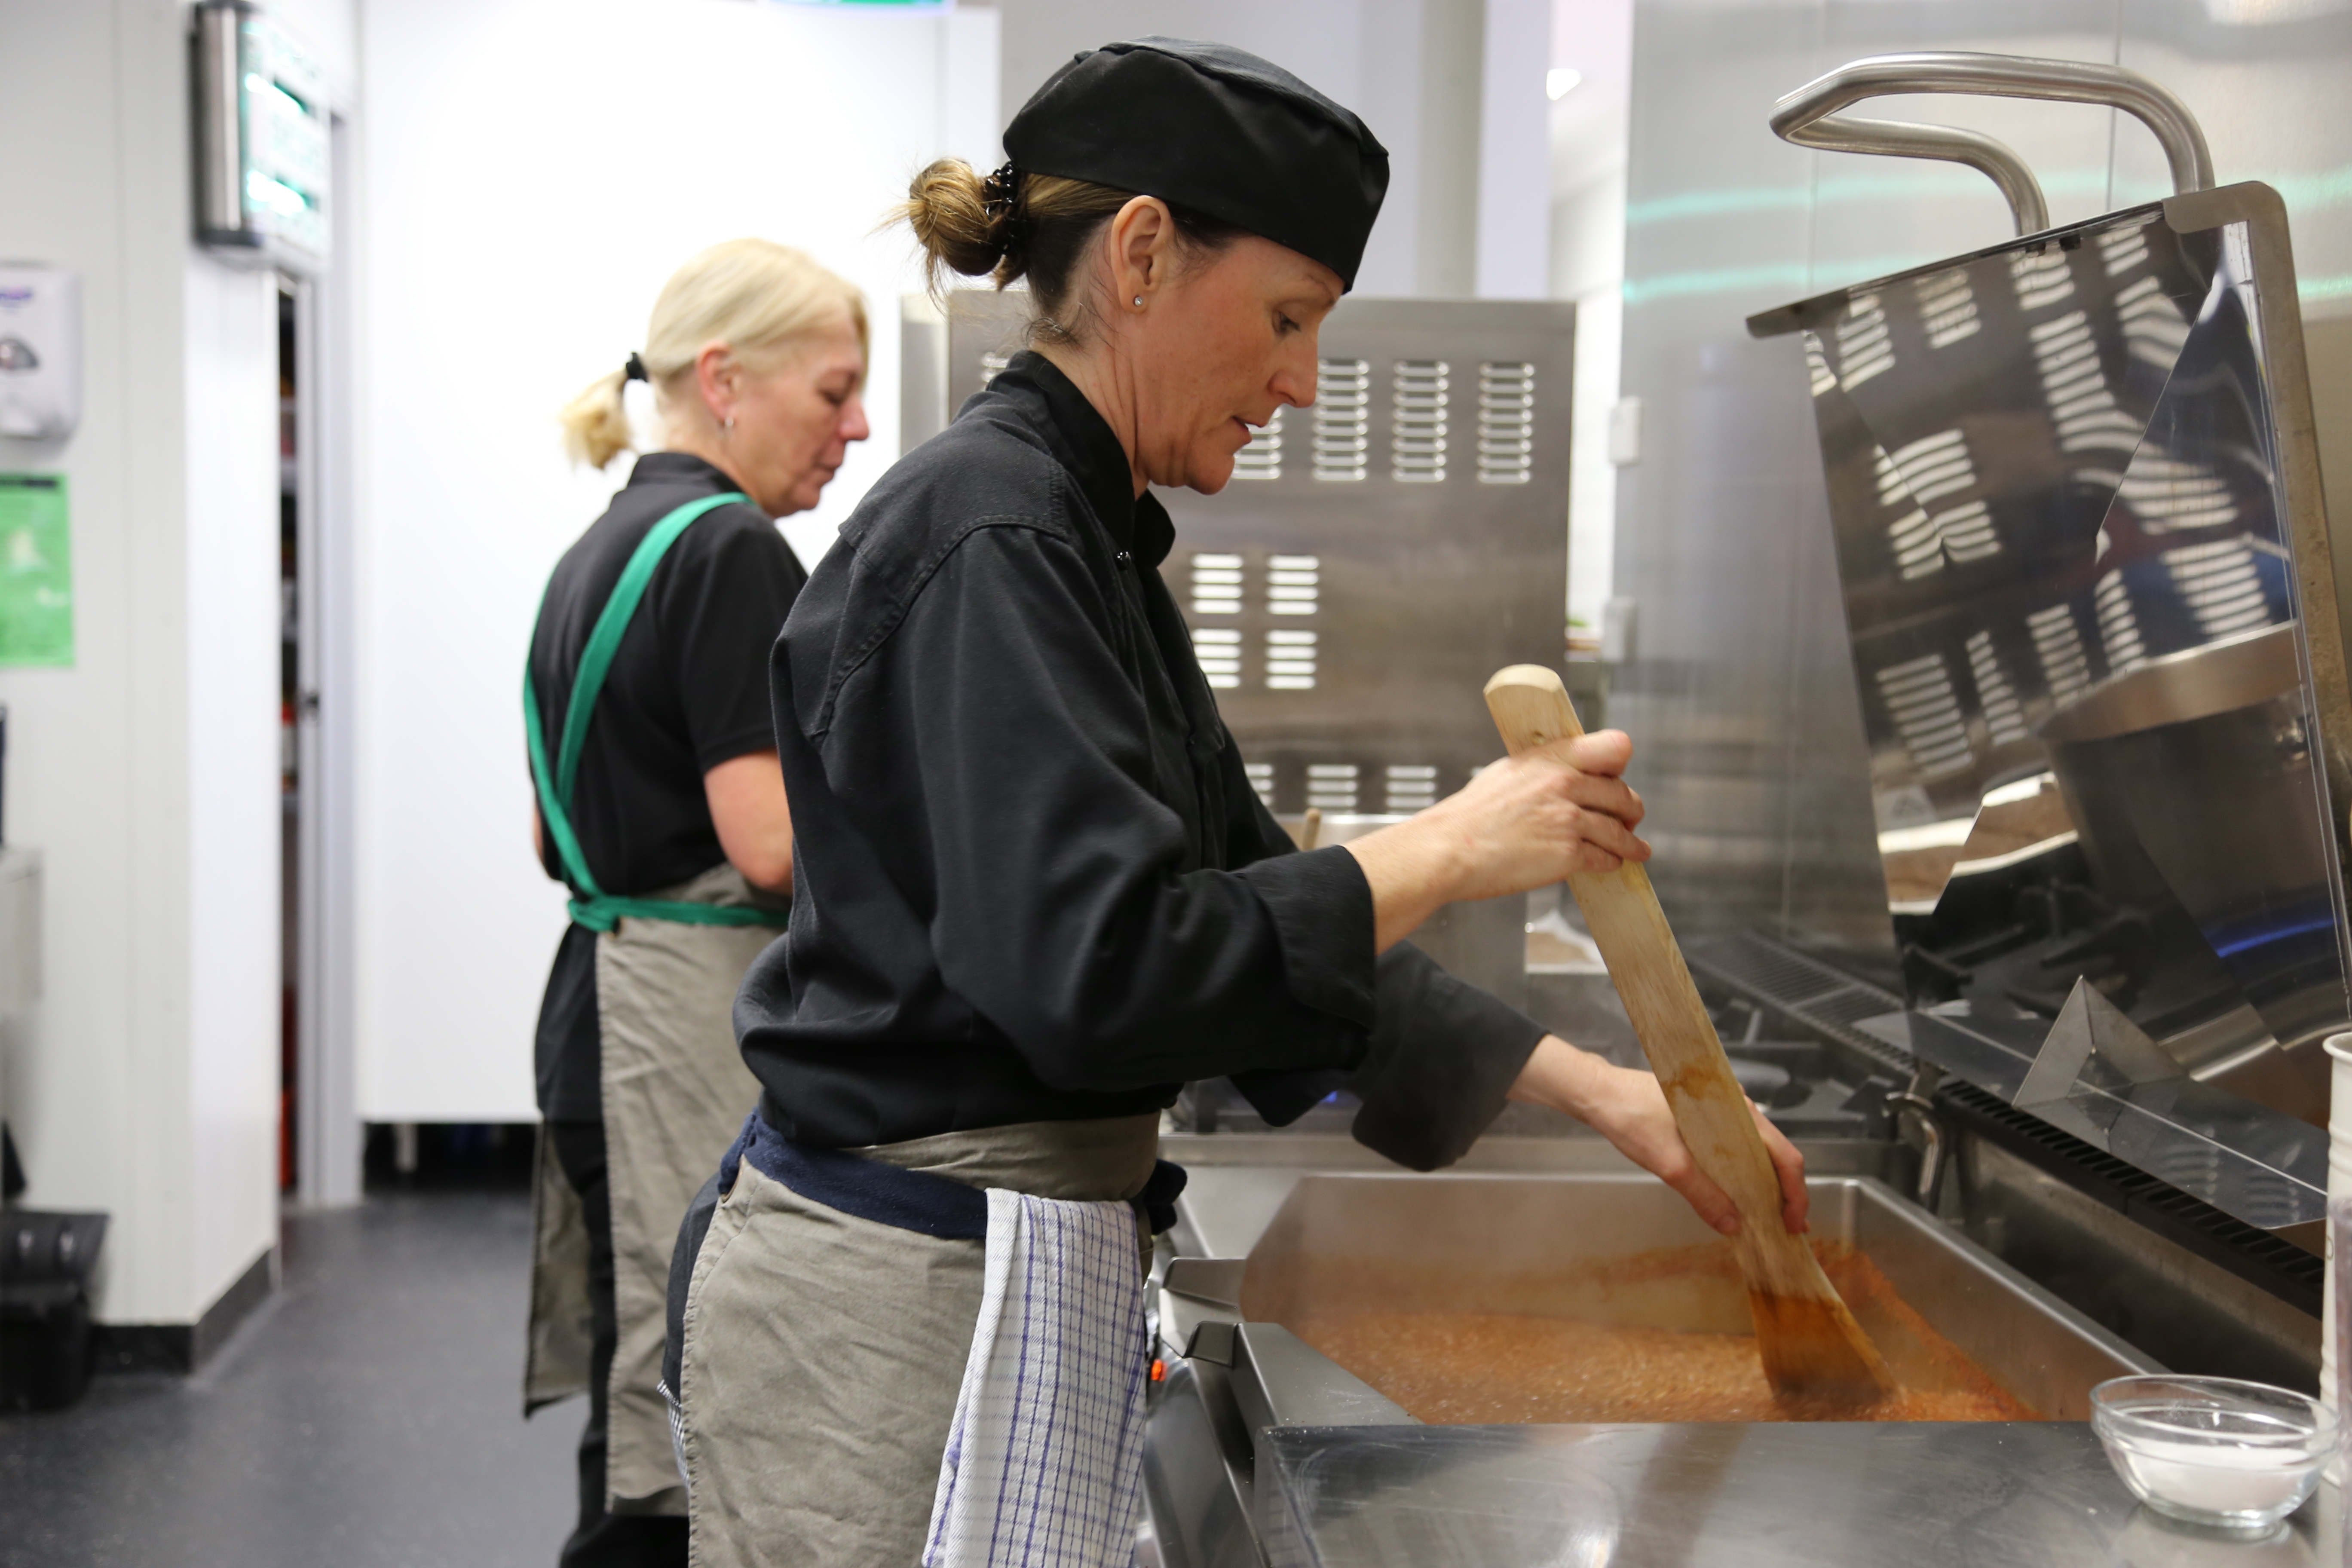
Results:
x,y
2091,590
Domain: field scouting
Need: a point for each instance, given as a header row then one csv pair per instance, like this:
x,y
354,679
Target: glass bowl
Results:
x,y
2214,1451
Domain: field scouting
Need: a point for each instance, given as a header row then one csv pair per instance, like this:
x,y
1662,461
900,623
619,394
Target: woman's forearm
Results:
x,y
1410,880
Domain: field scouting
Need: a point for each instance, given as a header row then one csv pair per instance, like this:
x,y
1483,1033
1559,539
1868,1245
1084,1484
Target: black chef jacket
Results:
x,y
1033,881
688,690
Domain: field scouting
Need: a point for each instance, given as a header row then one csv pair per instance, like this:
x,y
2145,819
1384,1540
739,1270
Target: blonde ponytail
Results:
x,y
596,423
760,299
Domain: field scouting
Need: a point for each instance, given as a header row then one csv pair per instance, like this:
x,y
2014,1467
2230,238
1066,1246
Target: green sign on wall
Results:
x,y
36,572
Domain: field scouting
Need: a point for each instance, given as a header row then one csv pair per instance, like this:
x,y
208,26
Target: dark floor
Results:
x,y
369,1417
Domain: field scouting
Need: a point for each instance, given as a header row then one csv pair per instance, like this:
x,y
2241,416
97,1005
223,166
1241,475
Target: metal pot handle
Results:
x,y
1804,116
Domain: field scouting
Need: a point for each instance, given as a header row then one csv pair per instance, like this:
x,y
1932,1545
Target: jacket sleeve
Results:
x,y
1055,904
1444,1054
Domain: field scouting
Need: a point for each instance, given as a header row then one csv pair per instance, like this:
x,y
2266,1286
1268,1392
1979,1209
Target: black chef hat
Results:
x,y
1207,127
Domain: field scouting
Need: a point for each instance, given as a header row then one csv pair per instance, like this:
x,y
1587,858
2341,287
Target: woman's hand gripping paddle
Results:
x,y
1813,1348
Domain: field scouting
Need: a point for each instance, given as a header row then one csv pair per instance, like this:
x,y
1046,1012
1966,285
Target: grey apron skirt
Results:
x,y
674,1088
821,1350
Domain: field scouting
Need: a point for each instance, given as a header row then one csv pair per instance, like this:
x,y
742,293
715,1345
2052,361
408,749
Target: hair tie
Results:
x,y
634,370
1000,197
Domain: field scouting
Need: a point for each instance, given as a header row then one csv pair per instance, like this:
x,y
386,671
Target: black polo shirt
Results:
x,y
1032,882
688,690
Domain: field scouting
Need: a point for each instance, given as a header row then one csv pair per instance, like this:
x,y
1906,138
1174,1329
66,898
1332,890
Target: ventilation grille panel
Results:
x,y
1409,787
1289,659
1216,584
1294,584
1331,786
1507,422
1343,420
1219,649
1418,441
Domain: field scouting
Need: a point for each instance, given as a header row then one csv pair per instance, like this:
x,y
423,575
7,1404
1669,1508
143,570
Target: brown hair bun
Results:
x,y
947,207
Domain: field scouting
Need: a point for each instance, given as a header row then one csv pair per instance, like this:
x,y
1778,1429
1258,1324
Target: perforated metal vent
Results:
x,y
1331,786
1262,459
1343,420
1290,659
1410,787
1417,444
1219,649
1507,422
1294,584
1216,584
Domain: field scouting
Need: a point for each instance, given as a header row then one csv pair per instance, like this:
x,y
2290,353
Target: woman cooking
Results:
x,y
662,807
1036,892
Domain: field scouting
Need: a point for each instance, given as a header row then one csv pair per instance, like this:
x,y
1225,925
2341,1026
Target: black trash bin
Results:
x,y
44,1339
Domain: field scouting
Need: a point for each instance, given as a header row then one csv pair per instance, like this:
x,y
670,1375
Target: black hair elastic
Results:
x,y
635,369
1000,195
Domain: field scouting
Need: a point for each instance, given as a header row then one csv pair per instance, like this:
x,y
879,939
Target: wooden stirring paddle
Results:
x,y
1813,1348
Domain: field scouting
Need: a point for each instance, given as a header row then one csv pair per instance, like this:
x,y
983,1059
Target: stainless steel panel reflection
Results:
x,y
2076,516
1804,1496
1743,678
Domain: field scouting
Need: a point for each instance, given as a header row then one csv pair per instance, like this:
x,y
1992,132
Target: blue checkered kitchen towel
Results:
x,y
1044,1467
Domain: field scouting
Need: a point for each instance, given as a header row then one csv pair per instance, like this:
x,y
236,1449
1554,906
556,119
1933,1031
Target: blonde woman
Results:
x,y
661,807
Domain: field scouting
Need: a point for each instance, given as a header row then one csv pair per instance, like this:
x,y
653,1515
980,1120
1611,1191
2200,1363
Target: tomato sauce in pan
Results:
x,y
1452,1366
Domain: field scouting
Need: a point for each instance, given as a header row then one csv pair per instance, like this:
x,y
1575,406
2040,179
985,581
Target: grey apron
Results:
x,y
824,1352
674,1087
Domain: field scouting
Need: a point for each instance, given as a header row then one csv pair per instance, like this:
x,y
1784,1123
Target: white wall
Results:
x,y
1586,130
533,170
1515,186
144,1083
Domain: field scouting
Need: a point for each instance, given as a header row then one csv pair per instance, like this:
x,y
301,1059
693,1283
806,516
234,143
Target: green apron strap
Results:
x,y
591,905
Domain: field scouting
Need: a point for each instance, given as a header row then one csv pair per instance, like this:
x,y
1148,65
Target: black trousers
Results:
x,y
604,1539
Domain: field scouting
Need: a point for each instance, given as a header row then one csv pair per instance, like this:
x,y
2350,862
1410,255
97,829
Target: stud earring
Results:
x,y
1138,302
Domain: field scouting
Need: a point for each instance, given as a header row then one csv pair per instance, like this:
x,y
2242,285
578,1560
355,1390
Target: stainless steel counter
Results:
x,y
1808,1496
